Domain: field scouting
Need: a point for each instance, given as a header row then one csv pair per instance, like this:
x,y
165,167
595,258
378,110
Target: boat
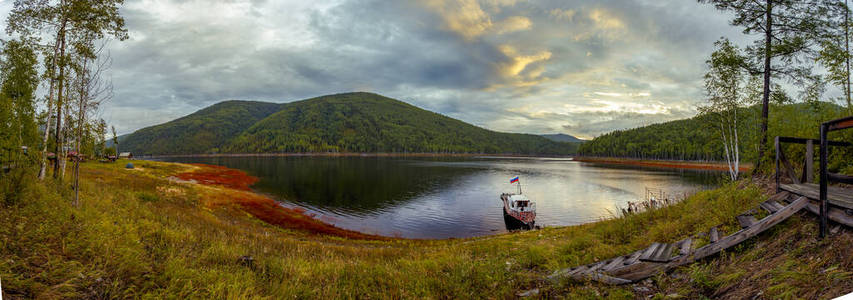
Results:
x,y
518,208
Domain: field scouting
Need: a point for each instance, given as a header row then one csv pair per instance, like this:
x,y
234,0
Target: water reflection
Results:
x,y
452,197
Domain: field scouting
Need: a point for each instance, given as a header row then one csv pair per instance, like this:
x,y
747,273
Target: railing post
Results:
x,y
824,177
809,168
778,152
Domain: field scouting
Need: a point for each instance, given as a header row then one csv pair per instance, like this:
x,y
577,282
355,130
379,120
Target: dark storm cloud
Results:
x,y
579,67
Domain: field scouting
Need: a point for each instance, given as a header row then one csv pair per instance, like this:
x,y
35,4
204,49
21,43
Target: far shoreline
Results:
x,y
666,164
669,164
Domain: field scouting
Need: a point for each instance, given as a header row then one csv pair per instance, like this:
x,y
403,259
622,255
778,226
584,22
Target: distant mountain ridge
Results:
x,y
562,137
349,122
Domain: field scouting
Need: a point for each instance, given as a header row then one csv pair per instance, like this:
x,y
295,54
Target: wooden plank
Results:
x,y
685,246
596,266
836,195
714,235
779,196
808,167
777,205
664,254
603,278
833,213
751,231
614,263
770,208
650,251
634,257
746,220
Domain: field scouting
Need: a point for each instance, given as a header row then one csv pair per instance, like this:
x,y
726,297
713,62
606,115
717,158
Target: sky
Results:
x,y
582,67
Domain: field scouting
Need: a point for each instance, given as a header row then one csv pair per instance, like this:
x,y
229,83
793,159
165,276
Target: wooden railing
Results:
x,y
782,161
825,175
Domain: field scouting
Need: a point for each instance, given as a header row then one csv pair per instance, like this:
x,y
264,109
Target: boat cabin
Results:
x,y
519,202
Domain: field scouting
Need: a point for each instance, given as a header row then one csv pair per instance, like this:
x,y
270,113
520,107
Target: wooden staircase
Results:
x,y
664,256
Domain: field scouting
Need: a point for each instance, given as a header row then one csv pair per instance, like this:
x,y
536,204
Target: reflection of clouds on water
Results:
x,y
453,197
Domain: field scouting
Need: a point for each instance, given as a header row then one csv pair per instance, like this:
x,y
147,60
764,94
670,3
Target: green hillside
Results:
x,y
351,122
694,139
203,131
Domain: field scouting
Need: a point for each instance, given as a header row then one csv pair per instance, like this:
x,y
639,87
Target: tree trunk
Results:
x,y
765,99
847,52
61,87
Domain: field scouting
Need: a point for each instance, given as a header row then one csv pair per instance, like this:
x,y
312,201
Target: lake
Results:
x,y
452,197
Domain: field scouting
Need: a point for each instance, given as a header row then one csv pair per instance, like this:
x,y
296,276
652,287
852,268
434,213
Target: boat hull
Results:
x,y
526,218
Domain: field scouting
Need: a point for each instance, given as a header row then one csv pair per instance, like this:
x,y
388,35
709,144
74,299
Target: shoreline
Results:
x,y
669,164
354,154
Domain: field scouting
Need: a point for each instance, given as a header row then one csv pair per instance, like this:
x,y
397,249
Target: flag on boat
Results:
x,y
513,180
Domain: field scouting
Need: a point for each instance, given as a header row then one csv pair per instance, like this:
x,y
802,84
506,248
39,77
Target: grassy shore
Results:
x,y
166,230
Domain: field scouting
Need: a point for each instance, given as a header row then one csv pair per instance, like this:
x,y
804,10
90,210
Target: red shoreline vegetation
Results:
x,y
259,206
713,166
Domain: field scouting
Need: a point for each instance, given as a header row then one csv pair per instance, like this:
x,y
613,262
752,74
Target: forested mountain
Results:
x,y
351,122
697,139
561,137
201,132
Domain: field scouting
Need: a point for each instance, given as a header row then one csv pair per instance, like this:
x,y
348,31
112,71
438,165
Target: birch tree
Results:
x,y
65,23
724,83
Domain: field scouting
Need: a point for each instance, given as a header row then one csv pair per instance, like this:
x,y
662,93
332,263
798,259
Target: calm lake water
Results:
x,y
452,197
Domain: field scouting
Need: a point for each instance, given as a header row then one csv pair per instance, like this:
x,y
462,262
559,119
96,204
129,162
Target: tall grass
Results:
x,y
139,234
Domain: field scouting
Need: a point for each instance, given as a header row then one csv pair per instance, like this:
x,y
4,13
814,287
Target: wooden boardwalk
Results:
x,y
840,200
664,256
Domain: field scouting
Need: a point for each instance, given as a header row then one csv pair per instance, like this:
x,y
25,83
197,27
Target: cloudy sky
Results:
x,y
580,67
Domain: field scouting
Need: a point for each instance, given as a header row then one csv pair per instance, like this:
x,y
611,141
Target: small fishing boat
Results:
x,y
518,208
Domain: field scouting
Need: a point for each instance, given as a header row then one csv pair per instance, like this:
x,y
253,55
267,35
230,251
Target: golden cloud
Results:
x,y
513,24
468,19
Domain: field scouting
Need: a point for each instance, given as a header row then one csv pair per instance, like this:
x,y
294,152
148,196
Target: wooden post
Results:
x,y
808,168
824,177
778,152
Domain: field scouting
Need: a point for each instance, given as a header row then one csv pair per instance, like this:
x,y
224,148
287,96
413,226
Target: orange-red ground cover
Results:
x,y
237,191
663,163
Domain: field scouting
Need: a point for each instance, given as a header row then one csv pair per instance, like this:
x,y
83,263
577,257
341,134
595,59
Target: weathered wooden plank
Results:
x,y
836,195
634,257
808,167
596,266
746,220
714,235
685,246
770,208
603,278
751,231
779,196
614,263
664,254
650,251
778,205
833,213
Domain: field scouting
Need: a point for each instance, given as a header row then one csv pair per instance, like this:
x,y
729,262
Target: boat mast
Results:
x,y
518,182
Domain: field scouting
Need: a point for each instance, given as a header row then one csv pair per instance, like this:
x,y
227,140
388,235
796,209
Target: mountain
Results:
x,y
351,122
201,132
565,138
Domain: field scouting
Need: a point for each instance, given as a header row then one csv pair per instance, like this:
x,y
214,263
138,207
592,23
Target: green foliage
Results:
x,y
691,139
199,132
352,122
18,84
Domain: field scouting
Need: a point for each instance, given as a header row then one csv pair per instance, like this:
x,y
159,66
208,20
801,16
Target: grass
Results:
x,y
142,234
